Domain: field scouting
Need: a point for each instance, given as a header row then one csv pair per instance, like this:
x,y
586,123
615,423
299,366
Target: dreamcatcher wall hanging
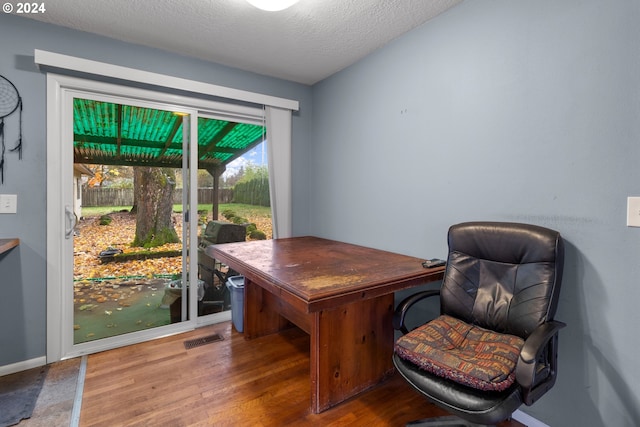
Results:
x,y
10,102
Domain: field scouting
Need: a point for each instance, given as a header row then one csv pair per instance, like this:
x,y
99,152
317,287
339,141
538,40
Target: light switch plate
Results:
x,y
633,211
8,203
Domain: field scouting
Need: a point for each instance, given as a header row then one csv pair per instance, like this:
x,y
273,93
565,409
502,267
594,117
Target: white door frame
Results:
x,y
60,93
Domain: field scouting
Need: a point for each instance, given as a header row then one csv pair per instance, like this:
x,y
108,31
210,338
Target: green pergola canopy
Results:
x,y
114,134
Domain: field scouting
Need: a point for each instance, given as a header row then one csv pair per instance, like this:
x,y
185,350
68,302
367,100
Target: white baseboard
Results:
x,y
23,366
527,419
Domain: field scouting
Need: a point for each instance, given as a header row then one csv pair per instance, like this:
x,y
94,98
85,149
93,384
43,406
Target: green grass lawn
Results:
x,y
239,209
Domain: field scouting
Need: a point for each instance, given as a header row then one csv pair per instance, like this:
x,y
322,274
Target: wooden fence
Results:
x,y
96,196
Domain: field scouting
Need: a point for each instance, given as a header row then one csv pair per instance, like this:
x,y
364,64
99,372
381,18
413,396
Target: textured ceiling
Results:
x,y
305,43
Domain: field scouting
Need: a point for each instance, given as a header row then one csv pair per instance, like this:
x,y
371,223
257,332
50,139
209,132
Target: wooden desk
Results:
x,y
340,294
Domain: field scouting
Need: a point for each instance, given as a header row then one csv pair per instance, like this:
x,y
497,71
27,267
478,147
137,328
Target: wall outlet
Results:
x,y
633,211
8,203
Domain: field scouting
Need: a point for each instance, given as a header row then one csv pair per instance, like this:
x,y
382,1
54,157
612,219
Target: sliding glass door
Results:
x,y
126,197
130,235
123,215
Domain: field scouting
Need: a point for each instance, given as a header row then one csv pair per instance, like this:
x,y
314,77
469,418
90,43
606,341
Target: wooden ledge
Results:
x,y
7,244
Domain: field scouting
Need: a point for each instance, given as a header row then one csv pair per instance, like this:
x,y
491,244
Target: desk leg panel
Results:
x,y
261,316
351,350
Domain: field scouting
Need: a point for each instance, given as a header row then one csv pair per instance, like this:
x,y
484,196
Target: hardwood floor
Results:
x,y
233,382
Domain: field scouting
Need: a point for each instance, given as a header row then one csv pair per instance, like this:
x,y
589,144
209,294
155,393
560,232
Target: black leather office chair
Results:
x,y
494,345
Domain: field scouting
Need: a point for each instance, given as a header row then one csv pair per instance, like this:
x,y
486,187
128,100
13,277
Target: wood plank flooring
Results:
x,y
233,382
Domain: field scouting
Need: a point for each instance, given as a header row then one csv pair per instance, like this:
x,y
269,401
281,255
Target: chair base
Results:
x,y
445,421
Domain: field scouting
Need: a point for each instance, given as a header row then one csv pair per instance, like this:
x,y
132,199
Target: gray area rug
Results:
x,y
19,393
57,401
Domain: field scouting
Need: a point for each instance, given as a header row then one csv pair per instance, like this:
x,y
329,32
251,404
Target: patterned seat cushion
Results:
x,y
464,353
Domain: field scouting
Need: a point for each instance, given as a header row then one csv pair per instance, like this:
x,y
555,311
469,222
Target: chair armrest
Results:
x,y
536,378
405,305
538,339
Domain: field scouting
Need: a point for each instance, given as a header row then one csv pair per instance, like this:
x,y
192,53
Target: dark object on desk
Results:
x,y
503,282
433,262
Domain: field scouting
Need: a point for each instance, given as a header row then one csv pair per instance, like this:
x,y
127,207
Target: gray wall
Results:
x,y
507,110
23,270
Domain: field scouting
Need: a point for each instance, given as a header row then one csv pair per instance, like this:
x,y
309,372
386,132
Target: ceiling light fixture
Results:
x,y
272,5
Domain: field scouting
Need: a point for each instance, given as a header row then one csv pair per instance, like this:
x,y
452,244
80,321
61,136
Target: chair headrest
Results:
x,y
508,242
503,276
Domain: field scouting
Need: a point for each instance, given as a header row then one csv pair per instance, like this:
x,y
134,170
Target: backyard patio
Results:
x,y
113,298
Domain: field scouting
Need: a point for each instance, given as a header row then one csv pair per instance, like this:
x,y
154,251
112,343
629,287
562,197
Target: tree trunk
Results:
x,y
134,208
154,201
